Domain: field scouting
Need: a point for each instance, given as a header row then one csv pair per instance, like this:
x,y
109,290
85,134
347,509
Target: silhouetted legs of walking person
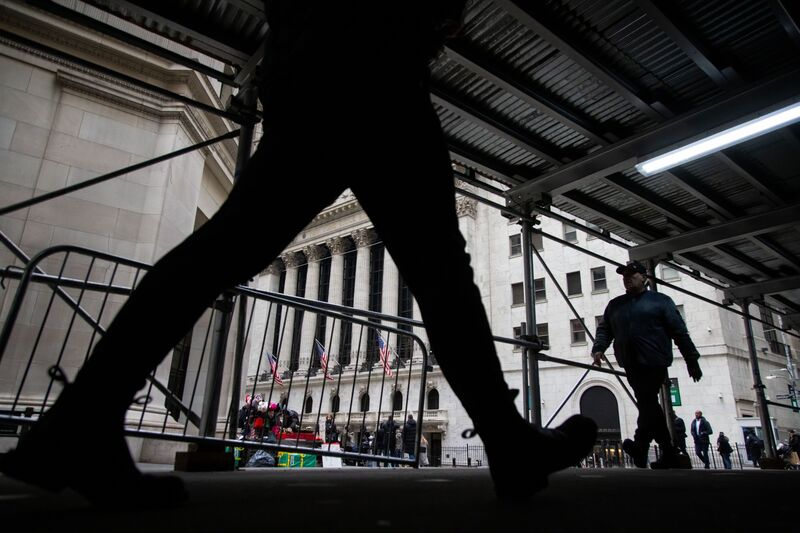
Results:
x,y
651,423
401,174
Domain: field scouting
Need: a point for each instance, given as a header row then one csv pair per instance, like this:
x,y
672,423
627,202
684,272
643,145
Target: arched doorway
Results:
x,y
599,404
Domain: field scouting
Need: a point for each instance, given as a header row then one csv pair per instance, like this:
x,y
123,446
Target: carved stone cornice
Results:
x,y
274,268
108,90
364,237
36,27
293,259
466,207
345,205
315,252
339,245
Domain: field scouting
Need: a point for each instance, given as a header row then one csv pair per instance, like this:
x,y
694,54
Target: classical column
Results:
x,y
420,332
292,260
338,246
467,210
314,254
391,280
273,285
363,238
269,281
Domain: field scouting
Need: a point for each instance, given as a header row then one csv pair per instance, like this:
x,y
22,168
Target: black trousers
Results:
x,y
399,169
651,424
701,450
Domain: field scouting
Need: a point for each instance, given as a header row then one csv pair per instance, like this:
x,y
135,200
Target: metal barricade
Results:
x,y
56,319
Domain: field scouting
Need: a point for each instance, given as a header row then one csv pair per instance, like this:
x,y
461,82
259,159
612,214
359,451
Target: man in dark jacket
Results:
x,y
754,447
385,439
410,437
642,324
701,433
679,427
725,450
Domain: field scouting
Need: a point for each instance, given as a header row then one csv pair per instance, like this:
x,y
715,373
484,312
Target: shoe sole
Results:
x,y
579,434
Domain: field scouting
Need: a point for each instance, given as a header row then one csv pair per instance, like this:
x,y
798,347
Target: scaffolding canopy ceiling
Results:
x,y
557,100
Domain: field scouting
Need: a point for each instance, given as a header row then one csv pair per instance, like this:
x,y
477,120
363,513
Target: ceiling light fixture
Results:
x,y
719,141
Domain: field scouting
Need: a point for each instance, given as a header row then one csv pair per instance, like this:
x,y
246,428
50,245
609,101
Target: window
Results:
x,y
405,309
771,333
433,399
297,329
364,403
515,244
397,401
517,294
309,405
669,273
577,332
536,241
335,401
598,321
177,373
570,233
543,333
599,279
574,283
276,334
518,332
375,299
348,297
589,225
539,290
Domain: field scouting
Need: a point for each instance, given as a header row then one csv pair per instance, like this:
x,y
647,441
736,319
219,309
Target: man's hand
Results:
x,y
694,370
598,359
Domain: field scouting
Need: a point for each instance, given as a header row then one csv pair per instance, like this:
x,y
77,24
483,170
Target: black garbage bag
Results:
x,y
261,458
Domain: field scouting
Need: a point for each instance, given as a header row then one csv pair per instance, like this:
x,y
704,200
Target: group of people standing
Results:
x,y
390,439
393,441
261,420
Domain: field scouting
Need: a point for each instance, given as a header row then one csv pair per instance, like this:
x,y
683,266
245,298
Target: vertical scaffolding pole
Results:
x,y
245,101
532,393
758,385
248,97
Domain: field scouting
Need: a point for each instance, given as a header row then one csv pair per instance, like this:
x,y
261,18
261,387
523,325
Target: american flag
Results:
x,y
384,351
323,358
273,364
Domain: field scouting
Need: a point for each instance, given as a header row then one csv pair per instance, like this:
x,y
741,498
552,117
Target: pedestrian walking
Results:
x,y
351,43
409,437
701,433
642,324
725,450
680,435
754,447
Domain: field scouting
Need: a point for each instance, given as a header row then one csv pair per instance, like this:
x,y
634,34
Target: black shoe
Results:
x,y
548,451
54,456
666,462
636,453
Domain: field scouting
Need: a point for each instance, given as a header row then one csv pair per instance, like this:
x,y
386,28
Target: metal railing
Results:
x,y
610,455
467,455
55,320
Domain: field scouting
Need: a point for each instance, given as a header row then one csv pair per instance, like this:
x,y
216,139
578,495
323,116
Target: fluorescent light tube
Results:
x,y
719,141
